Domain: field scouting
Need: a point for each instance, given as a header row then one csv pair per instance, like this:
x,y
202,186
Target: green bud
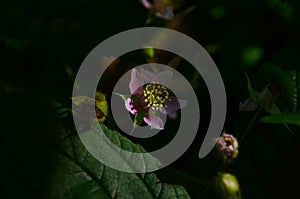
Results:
x,y
228,186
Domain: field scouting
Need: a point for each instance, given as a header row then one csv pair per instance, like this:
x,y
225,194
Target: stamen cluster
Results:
x,y
156,95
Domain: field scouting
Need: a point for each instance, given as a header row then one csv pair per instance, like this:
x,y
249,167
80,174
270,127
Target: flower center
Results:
x,y
228,141
155,96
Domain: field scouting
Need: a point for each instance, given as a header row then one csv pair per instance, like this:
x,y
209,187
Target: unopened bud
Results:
x,y
228,186
227,147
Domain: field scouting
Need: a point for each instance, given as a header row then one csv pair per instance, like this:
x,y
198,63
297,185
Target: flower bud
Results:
x,y
227,147
228,186
85,106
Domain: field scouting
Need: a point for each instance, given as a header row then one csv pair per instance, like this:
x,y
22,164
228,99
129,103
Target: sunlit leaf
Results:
x,y
80,175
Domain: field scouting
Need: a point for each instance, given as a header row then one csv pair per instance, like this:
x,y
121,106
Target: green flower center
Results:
x,y
156,95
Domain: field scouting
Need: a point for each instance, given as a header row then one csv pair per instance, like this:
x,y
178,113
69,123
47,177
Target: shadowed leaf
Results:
x,y
283,118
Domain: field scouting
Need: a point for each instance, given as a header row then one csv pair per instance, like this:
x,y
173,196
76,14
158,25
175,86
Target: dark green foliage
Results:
x,y
42,45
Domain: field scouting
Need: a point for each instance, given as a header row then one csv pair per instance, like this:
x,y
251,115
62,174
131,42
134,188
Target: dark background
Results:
x,y
43,43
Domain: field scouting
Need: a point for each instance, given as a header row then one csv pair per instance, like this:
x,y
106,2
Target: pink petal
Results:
x,y
248,105
154,121
146,4
146,75
130,106
173,115
173,105
166,13
135,81
163,78
182,103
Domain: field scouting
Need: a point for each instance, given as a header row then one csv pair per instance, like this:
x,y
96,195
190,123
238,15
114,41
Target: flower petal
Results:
x,y
136,82
248,105
146,4
146,75
130,106
173,104
173,115
163,78
154,121
166,13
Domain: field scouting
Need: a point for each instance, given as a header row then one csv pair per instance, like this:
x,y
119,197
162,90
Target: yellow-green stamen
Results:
x,y
156,95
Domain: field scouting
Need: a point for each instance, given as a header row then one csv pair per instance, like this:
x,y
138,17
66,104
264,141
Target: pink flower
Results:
x,y
227,145
247,105
149,96
161,9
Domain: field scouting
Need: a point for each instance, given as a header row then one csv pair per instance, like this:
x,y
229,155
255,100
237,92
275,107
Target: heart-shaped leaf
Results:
x,y
80,175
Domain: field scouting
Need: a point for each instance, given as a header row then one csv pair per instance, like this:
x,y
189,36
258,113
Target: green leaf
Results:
x,y
291,92
283,118
253,94
251,55
124,97
287,99
262,99
265,100
298,89
80,175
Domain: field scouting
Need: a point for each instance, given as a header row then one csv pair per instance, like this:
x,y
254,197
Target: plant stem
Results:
x,y
246,131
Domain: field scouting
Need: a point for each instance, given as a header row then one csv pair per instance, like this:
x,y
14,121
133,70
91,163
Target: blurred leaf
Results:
x,y
292,90
251,55
149,52
80,175
218,12
14,43
283,7
287,99
266,101
253,94
283,118
298,89
262,99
